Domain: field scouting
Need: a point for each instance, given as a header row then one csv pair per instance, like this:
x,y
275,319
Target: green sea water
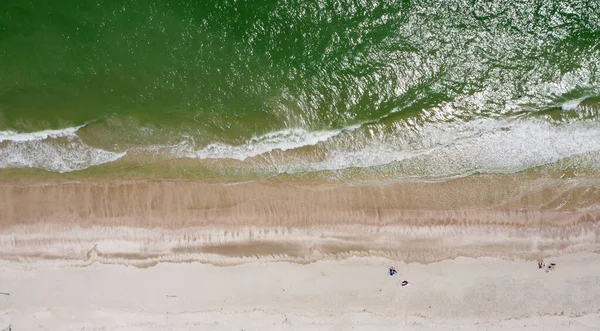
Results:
x,y
420,89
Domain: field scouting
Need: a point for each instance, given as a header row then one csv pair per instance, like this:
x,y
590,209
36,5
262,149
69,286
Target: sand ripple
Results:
x,y
146,222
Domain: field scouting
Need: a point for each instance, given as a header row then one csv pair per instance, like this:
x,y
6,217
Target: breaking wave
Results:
x,y
52,150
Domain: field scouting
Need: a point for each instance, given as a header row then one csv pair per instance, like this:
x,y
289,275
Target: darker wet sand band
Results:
x,y
147,222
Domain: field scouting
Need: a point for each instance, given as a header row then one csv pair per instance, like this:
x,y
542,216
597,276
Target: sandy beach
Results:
x,y
252,165
352,294
269,255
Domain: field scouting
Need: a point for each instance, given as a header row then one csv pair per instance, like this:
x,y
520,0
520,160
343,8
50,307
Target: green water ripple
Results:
x,y
149,73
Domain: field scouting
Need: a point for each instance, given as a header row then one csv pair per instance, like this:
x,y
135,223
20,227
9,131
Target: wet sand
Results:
x,y
104,225
146,222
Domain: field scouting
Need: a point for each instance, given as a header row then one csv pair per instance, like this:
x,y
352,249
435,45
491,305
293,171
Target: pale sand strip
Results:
x,y
461,294
59,245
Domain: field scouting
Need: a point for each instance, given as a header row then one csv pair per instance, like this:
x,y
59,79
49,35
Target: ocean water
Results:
x,y
400,89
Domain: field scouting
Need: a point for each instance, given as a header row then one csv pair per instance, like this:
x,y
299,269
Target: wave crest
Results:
x,y
14,136
52,150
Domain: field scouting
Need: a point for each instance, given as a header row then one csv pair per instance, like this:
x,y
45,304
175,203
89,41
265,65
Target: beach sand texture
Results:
x,y
259,165
300,255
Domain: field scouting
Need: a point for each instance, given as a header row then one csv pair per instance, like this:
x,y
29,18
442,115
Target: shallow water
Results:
x,y
340,88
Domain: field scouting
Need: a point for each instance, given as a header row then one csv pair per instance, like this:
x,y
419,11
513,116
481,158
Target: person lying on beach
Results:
x,y
405,283
392,271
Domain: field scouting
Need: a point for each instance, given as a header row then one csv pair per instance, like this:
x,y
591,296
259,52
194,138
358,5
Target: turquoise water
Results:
x,y
419,89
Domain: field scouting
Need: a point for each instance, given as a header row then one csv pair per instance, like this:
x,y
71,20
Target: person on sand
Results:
x,y
392,271
405,283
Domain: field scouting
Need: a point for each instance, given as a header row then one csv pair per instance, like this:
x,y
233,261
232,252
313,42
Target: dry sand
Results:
x,y
356,293
106,254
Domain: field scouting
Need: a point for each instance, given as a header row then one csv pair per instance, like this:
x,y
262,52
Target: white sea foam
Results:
x,y
571,104
431,149
54,157
280,140
38,135
43,150
435,149
488,146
